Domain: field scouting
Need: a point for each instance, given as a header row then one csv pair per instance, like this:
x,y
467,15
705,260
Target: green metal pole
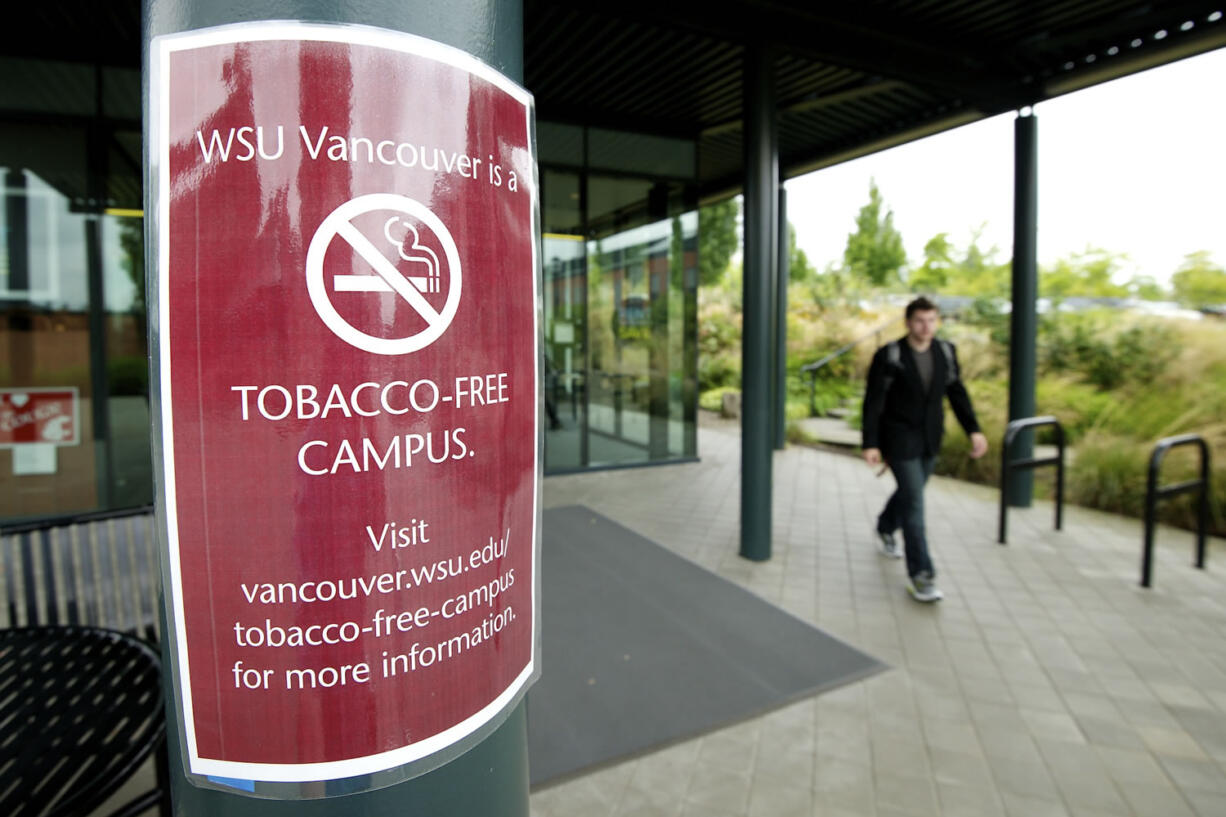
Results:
x,y
781,323
1023,320
491,779
761,171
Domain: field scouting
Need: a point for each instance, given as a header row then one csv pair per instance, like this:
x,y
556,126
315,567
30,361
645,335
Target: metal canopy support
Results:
x,y
781,320
491,779
1023,320
761,181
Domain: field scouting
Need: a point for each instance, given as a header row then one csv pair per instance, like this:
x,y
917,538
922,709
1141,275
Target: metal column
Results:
x,y
1023,320
781,322
492,778
761,174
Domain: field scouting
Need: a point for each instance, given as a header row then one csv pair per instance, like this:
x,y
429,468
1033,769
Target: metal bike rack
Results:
x,y
1153,493
1007,466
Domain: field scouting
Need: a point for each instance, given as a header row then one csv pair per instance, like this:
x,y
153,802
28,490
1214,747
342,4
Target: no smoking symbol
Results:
x,y
386,277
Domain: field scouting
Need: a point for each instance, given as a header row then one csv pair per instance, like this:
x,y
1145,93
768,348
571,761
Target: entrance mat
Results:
x,y
642,648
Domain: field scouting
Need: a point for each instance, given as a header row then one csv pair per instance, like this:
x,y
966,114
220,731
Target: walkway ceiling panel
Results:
x,y
851,77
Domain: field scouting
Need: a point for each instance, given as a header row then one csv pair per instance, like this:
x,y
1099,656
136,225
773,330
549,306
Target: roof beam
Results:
x,y
730,186
600,118
848,93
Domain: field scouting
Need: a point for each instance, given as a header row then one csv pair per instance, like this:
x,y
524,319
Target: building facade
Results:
x,y
619,293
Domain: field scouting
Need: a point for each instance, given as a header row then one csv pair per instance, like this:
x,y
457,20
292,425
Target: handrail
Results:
x,y
812,368
842,350
1153,493
1006,466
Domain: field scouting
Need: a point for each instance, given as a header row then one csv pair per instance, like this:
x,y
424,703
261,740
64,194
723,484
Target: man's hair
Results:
x,y
920,304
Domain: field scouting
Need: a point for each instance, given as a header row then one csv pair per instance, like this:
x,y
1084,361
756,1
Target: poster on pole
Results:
x,y
345,222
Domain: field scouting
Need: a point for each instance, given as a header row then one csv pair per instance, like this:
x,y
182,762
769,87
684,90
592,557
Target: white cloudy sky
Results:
x,y
1135,166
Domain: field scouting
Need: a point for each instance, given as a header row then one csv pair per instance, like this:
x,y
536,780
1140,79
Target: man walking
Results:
x,y
903,422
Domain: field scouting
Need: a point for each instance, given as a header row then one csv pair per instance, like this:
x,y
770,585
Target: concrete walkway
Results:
x,y
1046,683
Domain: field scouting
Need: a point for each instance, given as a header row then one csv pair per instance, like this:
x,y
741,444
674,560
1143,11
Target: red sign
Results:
x,y
347,290
49,416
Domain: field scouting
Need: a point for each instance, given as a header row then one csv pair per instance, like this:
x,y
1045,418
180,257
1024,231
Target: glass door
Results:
x,y
564,292
642,295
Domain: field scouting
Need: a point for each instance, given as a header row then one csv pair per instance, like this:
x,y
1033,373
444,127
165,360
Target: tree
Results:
x,y
952,271
1199,282
874,251
933,274
717,239
1088,274
799,268
1146,288
832,289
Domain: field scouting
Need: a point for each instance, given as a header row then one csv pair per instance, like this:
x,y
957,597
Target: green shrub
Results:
x,y
128,376
954,459
719,341
721,369
1078,406
1089,346
713,399
796,435
830,394
1178,408
1110,473
988,313
796,408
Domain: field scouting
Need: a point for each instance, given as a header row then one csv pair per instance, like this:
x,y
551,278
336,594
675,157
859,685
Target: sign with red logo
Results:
x,y
47,416
346,233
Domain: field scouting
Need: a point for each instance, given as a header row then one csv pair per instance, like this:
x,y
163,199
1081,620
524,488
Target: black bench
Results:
x,y
97,569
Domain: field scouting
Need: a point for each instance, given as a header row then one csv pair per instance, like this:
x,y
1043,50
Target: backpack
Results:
x,y
893,359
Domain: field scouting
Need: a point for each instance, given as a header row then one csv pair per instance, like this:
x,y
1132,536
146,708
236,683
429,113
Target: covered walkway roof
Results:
x,y
851,78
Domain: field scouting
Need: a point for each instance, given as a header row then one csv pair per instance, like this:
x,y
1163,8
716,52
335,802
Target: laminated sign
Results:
x,y
347,347
34,416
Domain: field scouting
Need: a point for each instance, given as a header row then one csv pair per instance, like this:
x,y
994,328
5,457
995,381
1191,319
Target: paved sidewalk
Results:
x,y
1046,683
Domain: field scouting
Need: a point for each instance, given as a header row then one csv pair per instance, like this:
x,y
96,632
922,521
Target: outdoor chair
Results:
x,y
65,584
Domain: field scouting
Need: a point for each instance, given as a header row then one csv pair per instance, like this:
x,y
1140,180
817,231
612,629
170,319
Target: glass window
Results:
x,y
642,298
127,362
74,411
620,296
565,304
45,347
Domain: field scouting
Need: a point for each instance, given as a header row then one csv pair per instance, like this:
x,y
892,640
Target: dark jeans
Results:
x,y
905,510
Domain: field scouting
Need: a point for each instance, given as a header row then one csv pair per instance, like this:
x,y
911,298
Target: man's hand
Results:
x,y
979,445
872,456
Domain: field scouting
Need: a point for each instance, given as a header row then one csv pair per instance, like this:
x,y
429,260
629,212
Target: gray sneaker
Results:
x,y
922,588
888,545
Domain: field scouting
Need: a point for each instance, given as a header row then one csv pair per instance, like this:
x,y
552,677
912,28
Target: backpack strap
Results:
x,y
893,361
951,363
893,354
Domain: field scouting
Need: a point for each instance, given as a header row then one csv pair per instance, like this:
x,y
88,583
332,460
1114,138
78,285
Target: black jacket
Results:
x,y
899,417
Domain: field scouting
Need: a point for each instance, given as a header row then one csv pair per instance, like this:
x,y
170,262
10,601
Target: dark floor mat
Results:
x,y
642,648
